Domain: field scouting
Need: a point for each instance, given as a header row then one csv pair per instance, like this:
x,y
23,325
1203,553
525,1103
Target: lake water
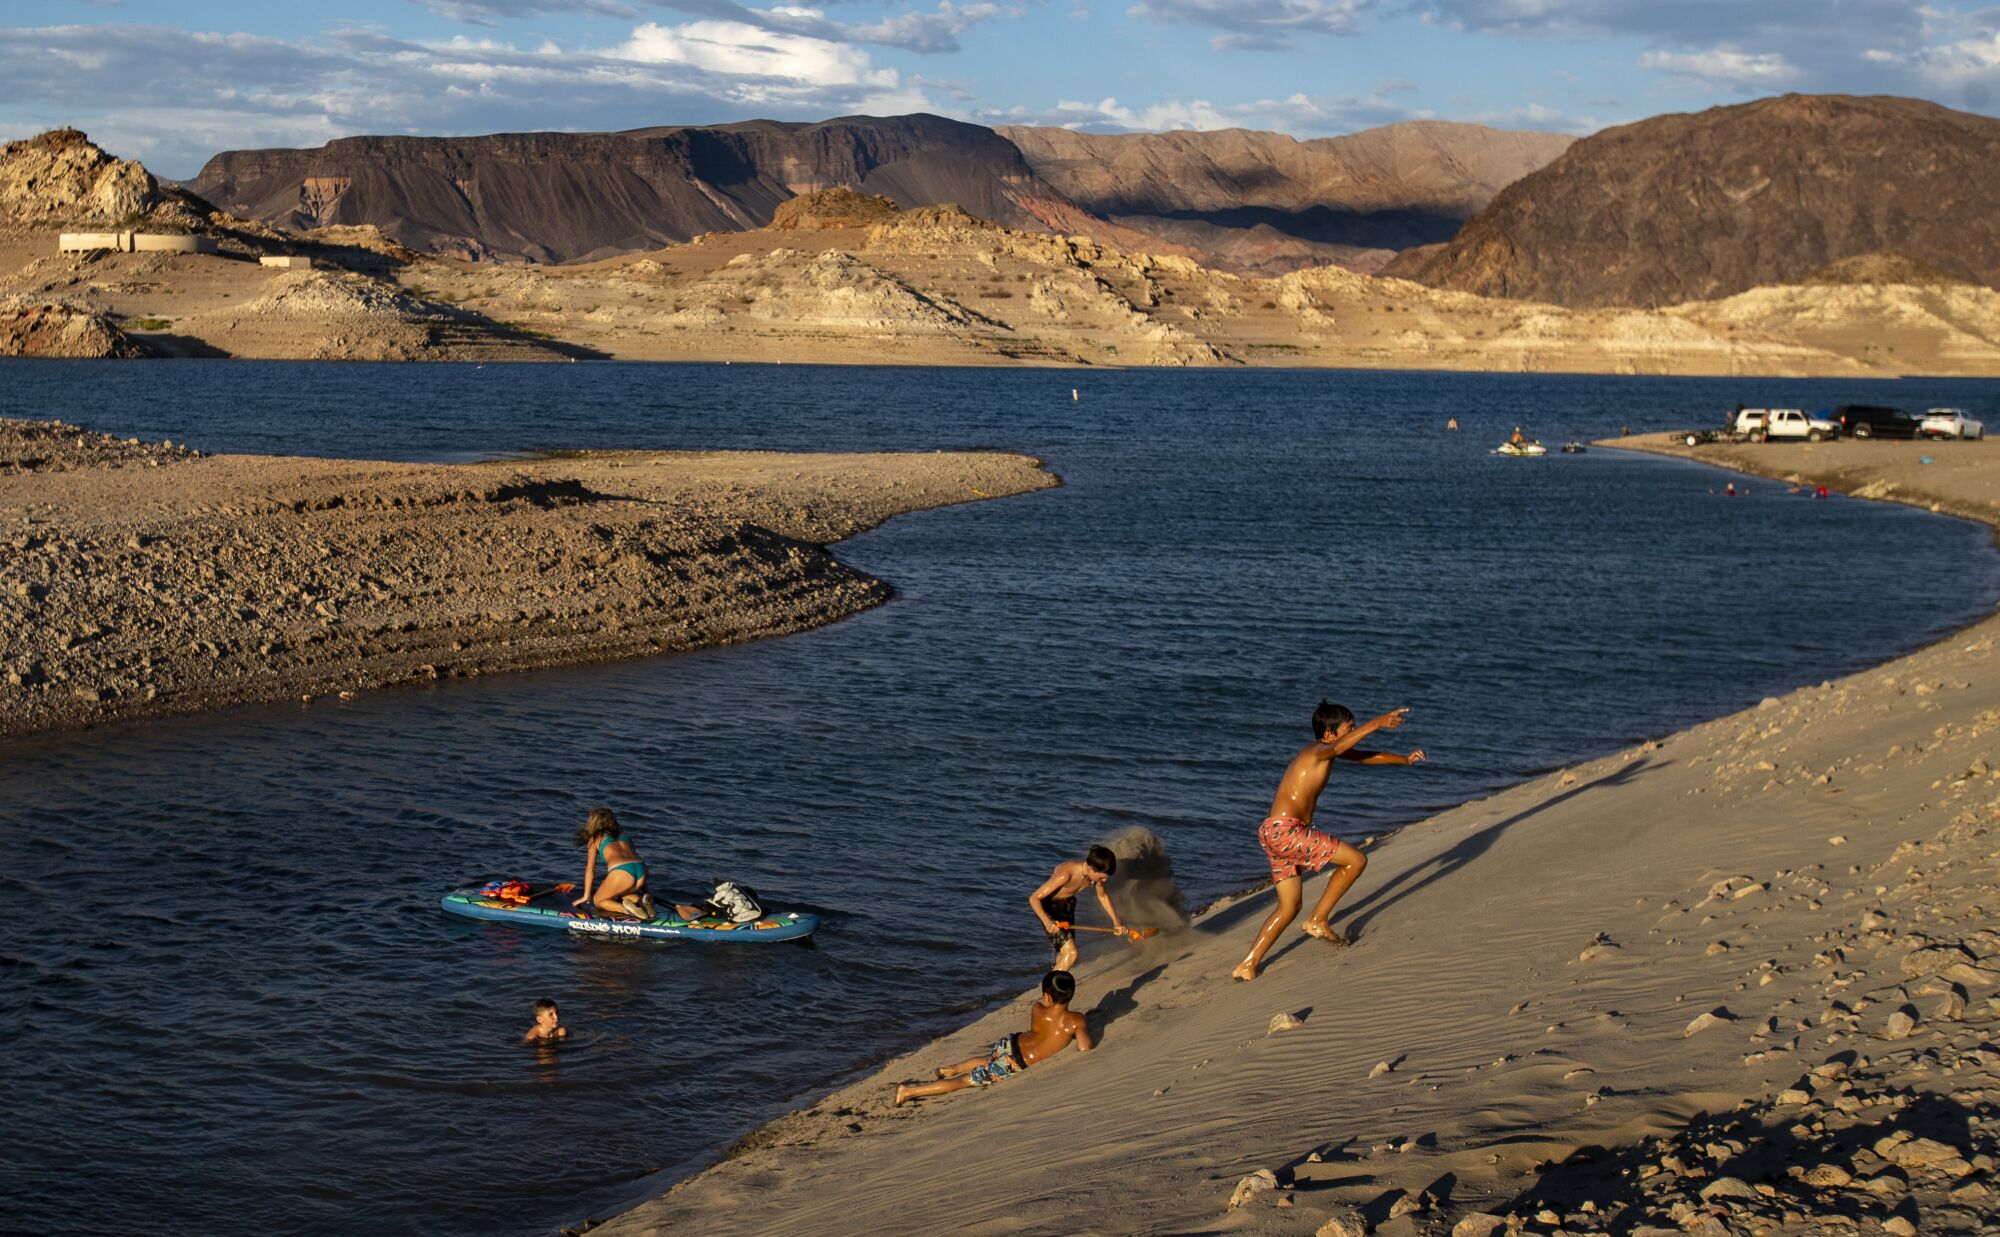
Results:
x,y
230,1000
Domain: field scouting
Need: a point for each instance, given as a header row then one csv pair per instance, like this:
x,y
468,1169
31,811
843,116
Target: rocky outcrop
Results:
x,y
56,328
61,178
832,208
1696,207
1266,203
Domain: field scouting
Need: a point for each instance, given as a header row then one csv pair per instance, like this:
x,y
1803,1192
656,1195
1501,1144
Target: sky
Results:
x,y
171,82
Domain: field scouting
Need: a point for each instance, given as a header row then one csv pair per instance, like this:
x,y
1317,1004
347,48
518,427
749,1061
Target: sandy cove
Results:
x,y
143,579
1738,980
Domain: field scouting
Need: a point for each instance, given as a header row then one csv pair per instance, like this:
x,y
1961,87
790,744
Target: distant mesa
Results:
x,y
579,197
1699,207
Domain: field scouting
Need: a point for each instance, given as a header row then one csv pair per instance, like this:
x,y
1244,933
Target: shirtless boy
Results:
x,y
1055,902
1291,843
548,1024
1051,1026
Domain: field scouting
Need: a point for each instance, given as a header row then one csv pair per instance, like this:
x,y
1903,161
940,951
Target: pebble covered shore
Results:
x,y
142,579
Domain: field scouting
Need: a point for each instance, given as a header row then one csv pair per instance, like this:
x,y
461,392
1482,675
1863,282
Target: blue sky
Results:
x,y
173,81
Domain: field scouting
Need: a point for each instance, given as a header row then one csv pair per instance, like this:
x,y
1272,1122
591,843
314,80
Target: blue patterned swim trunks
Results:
x,y
1005,1061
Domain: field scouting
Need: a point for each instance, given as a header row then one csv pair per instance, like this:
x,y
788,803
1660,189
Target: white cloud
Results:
x,y
1955,52
1256,25
1723,66
935,31
746,51
1300,115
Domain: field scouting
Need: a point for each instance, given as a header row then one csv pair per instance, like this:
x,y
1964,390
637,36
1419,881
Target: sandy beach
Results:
x,y
1737,979
144,579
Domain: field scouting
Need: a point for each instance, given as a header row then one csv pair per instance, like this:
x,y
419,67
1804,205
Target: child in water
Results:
x,y
548,1024
623,892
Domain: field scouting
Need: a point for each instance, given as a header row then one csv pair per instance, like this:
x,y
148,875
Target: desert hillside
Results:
x,y
1257,203
1696,207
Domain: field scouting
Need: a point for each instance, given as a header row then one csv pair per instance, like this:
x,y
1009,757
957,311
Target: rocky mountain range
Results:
x,y
1695,207
1266,203
1253,203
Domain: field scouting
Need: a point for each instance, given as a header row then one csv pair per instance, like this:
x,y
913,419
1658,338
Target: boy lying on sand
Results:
x,y
1055,902
1291,843
1051,1026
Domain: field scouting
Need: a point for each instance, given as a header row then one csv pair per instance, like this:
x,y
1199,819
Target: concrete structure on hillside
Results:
x,y
288,261
133,242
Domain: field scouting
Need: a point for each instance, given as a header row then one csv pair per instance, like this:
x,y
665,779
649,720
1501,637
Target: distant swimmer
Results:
x,y
548,1026
1051,1026
1294,847
1055,902
1451,424
623,892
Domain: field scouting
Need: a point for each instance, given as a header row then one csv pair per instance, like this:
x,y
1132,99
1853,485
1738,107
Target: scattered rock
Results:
x,y
1477,1224
1253,1185
1284,1022
1713,1017
1728,1187
1827,1176
1933,959
1344,1222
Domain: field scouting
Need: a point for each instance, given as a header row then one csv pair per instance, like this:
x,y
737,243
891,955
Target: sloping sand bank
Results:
x,y
1548,989
139,579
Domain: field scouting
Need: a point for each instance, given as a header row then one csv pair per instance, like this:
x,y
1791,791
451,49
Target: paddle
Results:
x,y
562,888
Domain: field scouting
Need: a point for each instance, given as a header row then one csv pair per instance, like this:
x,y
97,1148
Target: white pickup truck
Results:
x,y
1758,424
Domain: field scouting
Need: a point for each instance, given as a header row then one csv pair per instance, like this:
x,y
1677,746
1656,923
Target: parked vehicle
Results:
x,y
1758,424
1950,423
1874,421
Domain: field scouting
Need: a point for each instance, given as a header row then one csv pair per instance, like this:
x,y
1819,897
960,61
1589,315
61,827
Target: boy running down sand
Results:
x,y
1051,1026
1055,902
1291,843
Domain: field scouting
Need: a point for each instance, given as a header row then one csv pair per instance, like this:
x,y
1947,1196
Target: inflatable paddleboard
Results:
x,y
554,911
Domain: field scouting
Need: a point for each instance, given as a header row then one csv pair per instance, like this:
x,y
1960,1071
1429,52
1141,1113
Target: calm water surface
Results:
x,y
230,1000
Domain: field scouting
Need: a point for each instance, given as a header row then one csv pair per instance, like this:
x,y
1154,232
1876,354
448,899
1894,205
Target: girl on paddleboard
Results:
x,y
623,892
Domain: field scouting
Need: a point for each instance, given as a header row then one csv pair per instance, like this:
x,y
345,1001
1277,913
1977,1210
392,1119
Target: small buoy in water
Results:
x,y
1073,395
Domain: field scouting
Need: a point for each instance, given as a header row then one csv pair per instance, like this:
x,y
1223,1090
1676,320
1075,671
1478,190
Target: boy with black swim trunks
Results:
x,y
1291,843
1055,902
1051,1026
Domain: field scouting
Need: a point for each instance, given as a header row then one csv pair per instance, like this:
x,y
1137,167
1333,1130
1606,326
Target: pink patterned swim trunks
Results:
x,y
1293,847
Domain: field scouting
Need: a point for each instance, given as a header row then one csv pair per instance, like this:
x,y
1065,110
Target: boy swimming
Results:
x,y
1051,1026
1055,902
548,1024
1290,842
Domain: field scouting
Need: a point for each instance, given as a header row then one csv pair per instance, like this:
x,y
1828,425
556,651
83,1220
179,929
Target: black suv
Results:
x,y
1874,421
